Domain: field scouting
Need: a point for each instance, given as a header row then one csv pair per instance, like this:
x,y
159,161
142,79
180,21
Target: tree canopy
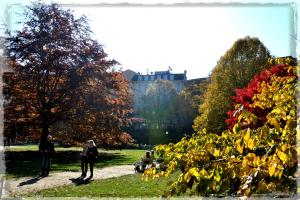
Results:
x,y
234,70
60,75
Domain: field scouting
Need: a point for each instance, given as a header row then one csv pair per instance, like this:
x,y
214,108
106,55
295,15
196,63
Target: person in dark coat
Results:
x,y
92,154
84,161
47,151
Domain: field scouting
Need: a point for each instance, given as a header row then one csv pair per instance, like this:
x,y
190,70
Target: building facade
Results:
x,y
140,82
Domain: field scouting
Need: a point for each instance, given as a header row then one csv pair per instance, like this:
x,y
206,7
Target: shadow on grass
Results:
x,y
31,181
28,163
80,181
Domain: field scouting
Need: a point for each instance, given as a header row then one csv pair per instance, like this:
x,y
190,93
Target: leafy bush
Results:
x,y
244,96
249,158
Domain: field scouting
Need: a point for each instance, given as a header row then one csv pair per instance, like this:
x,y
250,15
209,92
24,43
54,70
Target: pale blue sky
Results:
x,y
186,38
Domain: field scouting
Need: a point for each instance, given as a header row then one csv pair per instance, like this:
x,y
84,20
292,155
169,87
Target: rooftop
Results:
x,y
167,75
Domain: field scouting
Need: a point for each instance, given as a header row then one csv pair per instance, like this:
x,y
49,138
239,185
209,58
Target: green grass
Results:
x,y
31,147
25,160
125,186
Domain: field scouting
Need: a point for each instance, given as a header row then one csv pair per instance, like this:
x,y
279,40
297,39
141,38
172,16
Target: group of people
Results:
x,y
147,161
88,156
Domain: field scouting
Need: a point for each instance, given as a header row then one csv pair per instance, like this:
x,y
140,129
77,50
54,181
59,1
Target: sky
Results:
x,y
193,38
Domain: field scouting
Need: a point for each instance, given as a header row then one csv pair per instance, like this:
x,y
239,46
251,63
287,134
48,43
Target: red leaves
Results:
x,y
244,96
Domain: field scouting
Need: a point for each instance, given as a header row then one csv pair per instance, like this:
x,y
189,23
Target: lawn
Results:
x,y
125,186
25,160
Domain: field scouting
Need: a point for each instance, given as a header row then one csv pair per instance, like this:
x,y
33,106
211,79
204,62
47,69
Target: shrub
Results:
x,y
249,158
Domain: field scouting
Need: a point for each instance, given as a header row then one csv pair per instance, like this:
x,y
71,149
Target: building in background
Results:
x,y
140,82
162,118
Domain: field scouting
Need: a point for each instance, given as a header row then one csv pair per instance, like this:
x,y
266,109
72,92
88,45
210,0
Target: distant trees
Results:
x,y
62,79
167,115
234,70
194,93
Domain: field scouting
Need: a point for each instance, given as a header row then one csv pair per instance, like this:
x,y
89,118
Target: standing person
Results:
x,y
84,161
47,151
92,154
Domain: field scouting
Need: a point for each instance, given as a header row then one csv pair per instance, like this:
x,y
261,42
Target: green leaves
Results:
x,y
234,70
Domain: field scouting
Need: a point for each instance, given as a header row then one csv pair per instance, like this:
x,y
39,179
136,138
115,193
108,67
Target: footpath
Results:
x,y
19,186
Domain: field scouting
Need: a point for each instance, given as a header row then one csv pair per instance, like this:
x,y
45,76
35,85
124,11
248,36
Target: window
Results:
x,y
158,77
171,77
166,77
139,78
145,78
152,78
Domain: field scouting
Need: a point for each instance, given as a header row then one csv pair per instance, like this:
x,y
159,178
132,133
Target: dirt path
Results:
x,y
33,184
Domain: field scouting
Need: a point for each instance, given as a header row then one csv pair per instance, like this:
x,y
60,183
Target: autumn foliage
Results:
x,y
62,82
258,155
244,96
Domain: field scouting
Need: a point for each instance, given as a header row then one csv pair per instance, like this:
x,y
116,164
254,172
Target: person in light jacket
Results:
x,y
84,160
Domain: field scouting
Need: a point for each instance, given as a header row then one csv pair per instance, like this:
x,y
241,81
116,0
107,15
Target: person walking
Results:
x,y
47,151
84,161
92,154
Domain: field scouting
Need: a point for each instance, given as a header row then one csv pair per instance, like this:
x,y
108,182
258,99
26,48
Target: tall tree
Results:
x,y
234,70
58,68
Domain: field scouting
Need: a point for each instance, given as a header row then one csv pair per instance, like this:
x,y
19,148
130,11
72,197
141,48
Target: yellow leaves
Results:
x,y
247,136
149,173
217,153
178,156
239,146
284,147
217,176
282,156
180,178
257,161
206,174
172,165
203,172
236,129
275,123
209,147
272,168
249,142
192,172
275,166
188,176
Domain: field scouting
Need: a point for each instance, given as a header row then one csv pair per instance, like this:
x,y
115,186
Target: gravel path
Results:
x,y
32,184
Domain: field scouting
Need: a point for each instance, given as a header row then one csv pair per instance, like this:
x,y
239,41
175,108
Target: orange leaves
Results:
x,y
63,81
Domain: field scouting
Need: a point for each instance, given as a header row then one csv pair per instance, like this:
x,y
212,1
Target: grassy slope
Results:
x,y
125,186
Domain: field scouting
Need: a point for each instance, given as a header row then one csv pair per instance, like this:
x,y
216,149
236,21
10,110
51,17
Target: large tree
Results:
x,y
61,74
234,70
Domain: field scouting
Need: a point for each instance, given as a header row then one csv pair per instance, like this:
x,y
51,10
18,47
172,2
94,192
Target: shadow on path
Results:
x,y
31,181
80,180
